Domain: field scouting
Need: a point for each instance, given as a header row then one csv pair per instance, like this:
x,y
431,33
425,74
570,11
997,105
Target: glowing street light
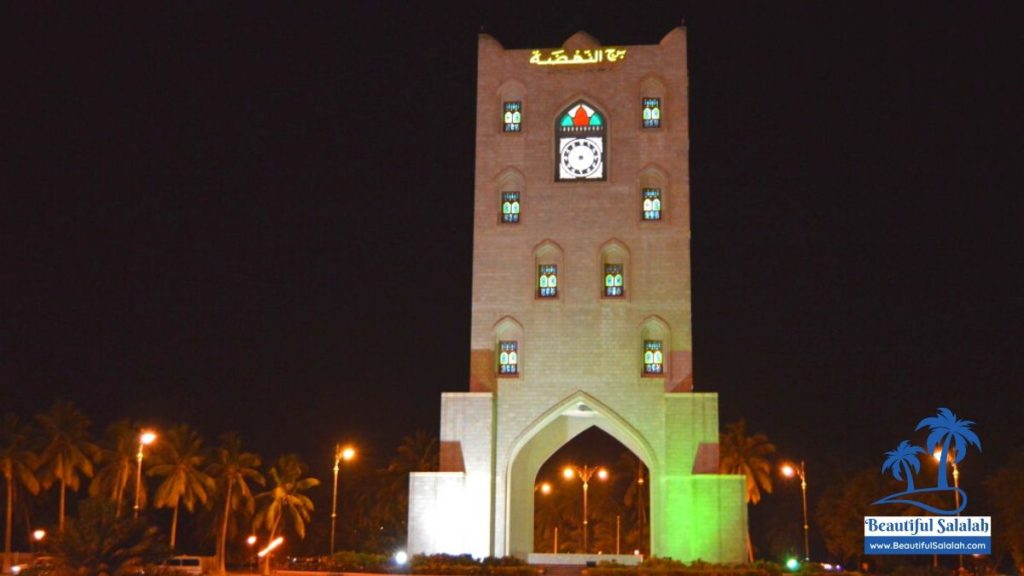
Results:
x,y
951,458
341,453
146,438
584,474
789,471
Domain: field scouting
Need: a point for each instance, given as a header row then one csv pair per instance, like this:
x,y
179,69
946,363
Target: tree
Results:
x,y
749,456
98,543
285,503
179,458
232,470
1006,491
117,463
903,461
947,429
18,464
68,454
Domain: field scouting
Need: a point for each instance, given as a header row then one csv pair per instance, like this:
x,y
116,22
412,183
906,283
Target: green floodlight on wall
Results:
x,y
793,564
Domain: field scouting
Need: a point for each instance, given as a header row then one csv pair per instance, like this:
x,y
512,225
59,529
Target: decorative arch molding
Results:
x,y
622,430
655,330
510,191
539,440
511,89
652,192
549,270
581,128
614,270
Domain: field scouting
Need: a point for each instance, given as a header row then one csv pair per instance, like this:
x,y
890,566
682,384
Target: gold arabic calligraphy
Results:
x,y
560,58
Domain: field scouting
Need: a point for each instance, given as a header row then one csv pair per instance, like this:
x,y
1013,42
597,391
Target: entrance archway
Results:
x,y
618,504
535,446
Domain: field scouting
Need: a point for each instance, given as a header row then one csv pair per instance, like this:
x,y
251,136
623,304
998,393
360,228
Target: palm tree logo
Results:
x,y
903,462
946,432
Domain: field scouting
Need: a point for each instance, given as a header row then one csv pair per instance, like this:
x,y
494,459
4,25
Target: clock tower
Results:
x,y
581,303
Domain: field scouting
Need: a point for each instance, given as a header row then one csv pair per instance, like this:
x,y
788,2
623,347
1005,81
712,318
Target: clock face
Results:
x,y
580,159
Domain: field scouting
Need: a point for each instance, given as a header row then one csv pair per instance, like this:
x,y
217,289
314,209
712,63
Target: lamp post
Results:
x,y
584,473
951,458
345,453
789,470
146,438
545,489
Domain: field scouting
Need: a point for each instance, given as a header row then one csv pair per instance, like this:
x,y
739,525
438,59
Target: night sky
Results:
x,y
225,215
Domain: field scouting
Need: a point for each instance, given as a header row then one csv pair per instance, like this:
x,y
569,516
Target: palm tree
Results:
x,y
98,543
947,429
68,453
751,457
233,469
117,460
179,458
416,453
903,461
18,464
285,502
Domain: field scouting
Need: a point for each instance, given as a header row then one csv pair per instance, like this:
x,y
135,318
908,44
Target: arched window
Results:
x,y
547,258
655,340
614,268
652,183
510,196
580,144
508,337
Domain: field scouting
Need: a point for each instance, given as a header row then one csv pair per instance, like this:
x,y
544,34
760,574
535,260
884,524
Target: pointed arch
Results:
x,y
655,343
653,96
511,188
549,270
508,348
652,183
581,129
512,98
614,268
539,440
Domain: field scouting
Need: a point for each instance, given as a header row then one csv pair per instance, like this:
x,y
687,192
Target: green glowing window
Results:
x,y
547,281
510,207
508,357
512,120
652,204
652,112
613,280
654,358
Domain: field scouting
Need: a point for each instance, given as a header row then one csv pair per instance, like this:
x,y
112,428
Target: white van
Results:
x,y
184,565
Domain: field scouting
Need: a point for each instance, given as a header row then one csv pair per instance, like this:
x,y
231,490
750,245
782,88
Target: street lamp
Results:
x,y
584,474
789,470
146,437
545,489
345,453
951,458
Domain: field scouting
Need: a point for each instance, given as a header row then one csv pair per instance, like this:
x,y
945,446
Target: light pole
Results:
x,y
951,458
146,438
584,475
345,453
545,489
789,470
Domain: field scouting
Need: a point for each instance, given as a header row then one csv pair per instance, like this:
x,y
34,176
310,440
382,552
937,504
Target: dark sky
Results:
x,y
230,215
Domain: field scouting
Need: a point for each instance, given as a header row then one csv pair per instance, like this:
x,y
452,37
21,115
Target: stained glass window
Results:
x,y
510,207
547,281
652,112
652,204
580,144
512,121
508,357
613,280
654,359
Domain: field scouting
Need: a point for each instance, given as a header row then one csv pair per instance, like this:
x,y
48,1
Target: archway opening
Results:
x,y
617,498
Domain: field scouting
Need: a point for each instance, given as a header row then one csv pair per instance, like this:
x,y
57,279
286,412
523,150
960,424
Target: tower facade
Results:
x,y
581,302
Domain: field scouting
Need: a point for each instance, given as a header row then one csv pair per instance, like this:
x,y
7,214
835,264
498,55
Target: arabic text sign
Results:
x,y
563,58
